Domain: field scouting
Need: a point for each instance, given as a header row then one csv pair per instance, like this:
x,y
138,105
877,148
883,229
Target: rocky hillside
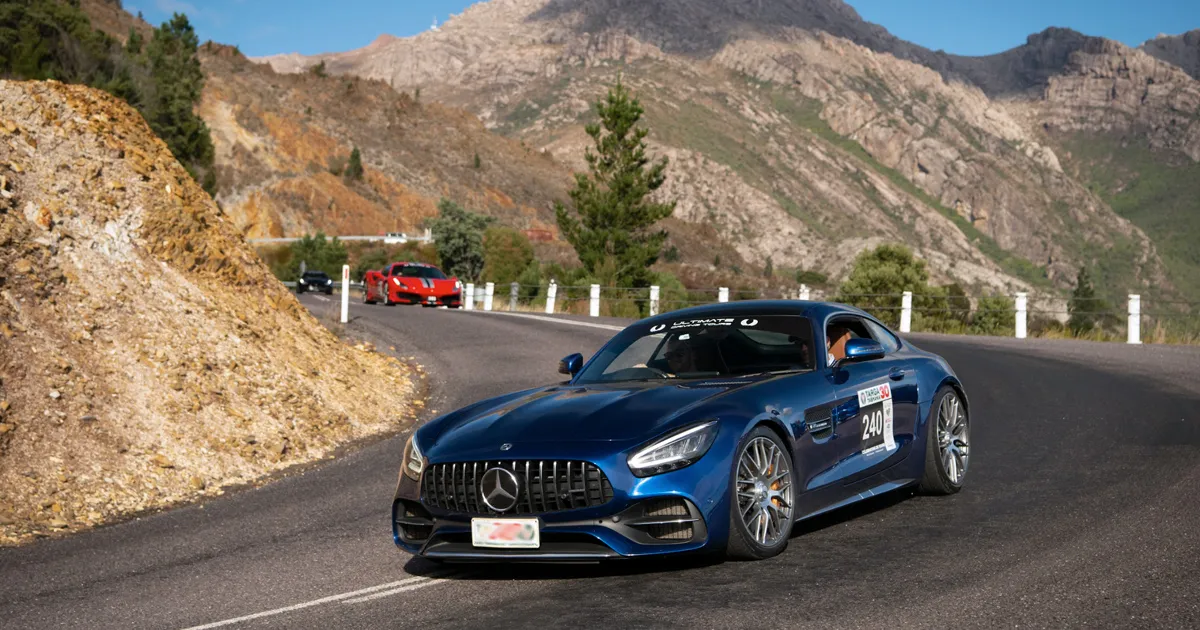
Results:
x,y
1179,50
800,131
281,140
110,16
147,355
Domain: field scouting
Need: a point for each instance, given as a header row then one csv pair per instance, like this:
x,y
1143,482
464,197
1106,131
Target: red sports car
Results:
x,y
412,283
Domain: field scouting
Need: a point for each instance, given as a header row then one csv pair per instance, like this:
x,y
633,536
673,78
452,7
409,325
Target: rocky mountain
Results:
x,y
1179,50
282,140
147,356
801,132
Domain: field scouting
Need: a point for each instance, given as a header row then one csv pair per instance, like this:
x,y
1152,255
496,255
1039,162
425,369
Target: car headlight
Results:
x,y
413,463
397,281
302,281
458,285
674,451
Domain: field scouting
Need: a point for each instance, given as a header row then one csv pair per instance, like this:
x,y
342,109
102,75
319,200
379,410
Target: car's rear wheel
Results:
x,y
947,444
760,514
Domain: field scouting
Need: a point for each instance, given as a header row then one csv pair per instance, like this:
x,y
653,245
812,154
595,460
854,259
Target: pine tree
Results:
x,y
1085,308
133,45
177,81
612,235
354,168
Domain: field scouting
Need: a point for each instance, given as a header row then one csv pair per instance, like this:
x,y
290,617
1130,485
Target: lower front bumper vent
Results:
x,y
411,521
667,519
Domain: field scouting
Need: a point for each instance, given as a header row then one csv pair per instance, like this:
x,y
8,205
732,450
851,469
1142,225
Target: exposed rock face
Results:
x,y
1110,87
279,137
147,355
1180,50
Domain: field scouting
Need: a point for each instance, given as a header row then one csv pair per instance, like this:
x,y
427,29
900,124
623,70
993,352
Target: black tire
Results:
x,y
937,480
742,545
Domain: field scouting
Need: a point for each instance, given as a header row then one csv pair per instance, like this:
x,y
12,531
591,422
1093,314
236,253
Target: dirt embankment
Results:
x,y
147,356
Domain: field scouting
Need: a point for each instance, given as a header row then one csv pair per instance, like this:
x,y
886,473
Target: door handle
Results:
x,y
897,374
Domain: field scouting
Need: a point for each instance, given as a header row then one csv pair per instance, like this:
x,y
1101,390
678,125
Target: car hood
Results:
x,y
564,413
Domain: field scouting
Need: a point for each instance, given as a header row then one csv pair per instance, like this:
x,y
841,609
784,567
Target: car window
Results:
x,y
884,337
702,347
415,271
838,331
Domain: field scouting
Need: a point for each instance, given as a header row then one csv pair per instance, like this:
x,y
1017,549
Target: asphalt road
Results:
x,y
1081,510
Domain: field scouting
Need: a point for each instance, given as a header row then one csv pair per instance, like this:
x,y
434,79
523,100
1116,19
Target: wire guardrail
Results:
x,y
1020,315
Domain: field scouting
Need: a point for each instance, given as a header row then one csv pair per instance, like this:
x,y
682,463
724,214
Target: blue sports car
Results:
x,y
708,429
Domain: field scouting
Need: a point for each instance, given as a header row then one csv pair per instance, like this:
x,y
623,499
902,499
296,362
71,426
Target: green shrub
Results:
x,y
507,253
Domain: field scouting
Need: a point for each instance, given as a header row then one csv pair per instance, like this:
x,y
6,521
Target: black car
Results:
x,y
315,281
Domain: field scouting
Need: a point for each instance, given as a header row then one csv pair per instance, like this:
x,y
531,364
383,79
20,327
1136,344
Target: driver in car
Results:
x,y
679,355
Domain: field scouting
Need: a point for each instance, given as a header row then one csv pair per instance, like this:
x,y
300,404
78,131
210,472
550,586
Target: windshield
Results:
x,y
316,274
706,347
413,271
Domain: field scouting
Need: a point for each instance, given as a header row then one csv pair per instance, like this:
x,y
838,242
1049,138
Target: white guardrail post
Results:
x,y
906,312
345,293
1135,318
804,292
551,294
723,294
469,297
1022,306
653,300
488,291
594,309
514,291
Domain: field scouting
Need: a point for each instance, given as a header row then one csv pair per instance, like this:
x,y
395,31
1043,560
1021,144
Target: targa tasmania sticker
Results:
x,y
875,411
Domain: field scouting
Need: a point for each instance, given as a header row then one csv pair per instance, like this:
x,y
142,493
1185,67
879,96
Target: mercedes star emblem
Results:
x,y
499,488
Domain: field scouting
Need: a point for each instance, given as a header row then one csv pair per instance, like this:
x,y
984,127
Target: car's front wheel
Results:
x,y
947,444
760,515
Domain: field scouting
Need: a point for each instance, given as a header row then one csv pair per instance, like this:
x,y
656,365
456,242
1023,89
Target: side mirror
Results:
x,y
571,364
860,349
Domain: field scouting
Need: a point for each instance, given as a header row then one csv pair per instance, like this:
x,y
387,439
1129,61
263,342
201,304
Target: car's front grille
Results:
x,y
545,486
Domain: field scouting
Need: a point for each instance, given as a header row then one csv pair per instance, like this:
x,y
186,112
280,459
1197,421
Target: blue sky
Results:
x,y
967,27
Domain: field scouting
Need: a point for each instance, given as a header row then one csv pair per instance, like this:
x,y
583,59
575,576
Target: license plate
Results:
x,y
520,533
431,299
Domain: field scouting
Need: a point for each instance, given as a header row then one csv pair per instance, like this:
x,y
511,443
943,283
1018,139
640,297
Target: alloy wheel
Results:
x,y
764,491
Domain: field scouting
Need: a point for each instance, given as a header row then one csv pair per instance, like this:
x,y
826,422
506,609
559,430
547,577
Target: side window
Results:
x,y
838,332
884,337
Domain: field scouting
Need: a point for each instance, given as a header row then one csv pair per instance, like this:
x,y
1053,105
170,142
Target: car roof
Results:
x,y
412,264
813,309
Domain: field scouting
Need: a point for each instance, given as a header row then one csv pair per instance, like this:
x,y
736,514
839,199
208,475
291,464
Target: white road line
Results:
x,y
410,587
316,602
569,322
323,299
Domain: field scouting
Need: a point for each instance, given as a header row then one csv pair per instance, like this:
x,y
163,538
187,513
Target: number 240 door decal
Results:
x,y
875,411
